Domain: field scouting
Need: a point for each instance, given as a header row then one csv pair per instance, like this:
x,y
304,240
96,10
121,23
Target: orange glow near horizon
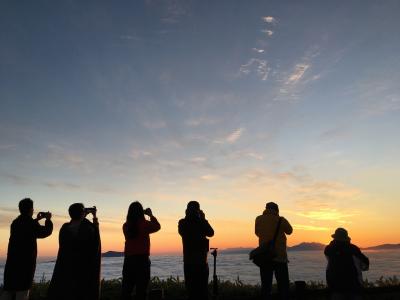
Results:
x,y
227,235
312,220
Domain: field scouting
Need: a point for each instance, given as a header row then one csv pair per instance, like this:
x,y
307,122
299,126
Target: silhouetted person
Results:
x,y
265,227
195,229
345,262
22,251
76,273
136,270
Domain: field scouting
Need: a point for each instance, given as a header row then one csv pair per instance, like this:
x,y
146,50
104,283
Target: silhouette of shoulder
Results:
x,y
194,226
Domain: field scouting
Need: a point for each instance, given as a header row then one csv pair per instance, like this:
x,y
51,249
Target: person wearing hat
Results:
x,y
345,263
266,226
194,230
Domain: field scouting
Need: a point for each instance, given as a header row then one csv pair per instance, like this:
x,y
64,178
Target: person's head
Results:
x,y
135,212
26,207
76,211
193,208
272,207
341,235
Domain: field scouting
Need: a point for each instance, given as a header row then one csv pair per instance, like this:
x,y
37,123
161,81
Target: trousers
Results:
x,y
281,272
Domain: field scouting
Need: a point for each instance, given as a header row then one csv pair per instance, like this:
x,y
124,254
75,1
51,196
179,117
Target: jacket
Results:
x,y
341,273
140,245
76,273
265,226
194,232
22,251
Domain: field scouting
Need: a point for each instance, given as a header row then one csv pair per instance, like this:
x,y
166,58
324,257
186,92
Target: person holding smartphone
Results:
x,y
194,230
77,270
136,269
22,251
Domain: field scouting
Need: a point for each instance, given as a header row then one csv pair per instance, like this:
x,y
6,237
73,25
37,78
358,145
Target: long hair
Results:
x,y
135,213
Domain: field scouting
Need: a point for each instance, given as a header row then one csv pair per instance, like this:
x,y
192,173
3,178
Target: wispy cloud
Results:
x,y
258,50
16,179
255,155
209,177
267,32
295,80
128,37
137,154
378,96
310,227
269,19
328,190
231,138
195,122
198,159
60,156
327,214
173,10
335,133
297,73
257,66
234,136
62,185
7,146
57,184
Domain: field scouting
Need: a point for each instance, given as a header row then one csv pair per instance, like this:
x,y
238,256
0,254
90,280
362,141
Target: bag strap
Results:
x,y
277,230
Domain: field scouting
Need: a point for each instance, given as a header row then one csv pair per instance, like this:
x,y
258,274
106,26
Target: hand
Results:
x,y
148,212
202,215
40,216
48,216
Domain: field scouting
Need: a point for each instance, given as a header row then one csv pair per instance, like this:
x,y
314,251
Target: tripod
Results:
x,y
215,278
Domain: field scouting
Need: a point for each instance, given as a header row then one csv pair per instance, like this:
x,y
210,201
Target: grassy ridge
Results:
x,y
174,289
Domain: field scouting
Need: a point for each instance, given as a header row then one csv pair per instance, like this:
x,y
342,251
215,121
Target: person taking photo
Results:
x,y
136,269
22,250
76,273
194,230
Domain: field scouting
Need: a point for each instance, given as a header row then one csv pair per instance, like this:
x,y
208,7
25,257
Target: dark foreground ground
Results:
x,y
173,289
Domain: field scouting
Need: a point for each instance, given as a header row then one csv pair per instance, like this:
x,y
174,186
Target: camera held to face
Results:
x,y
148,212
44,215
90,210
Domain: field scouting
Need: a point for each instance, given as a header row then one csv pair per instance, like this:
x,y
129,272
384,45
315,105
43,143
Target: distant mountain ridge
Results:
x,y
112,254
300,247
384,247
307,247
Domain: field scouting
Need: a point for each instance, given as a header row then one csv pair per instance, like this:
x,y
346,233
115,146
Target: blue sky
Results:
x,y
229,102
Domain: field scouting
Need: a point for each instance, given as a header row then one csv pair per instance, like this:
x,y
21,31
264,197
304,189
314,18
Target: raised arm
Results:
x,y
43,231
208,230
153,225
287,228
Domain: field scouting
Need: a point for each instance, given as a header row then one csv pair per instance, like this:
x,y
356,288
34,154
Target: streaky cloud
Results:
x,y
297,73
269,19
310,227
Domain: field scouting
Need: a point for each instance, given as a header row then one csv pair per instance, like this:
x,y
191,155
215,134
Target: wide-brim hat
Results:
x,y
341,234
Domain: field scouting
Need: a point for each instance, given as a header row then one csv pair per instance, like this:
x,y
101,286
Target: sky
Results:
x,y
230,103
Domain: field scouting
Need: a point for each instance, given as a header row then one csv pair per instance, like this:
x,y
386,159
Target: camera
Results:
x,y
90,210
43,214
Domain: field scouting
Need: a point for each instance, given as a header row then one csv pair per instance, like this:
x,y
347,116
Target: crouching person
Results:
x,y
345,263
